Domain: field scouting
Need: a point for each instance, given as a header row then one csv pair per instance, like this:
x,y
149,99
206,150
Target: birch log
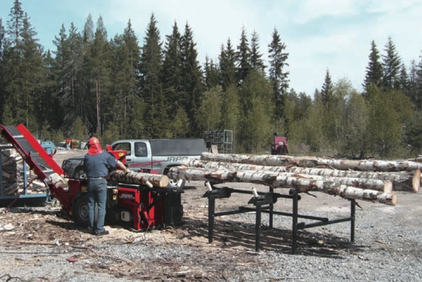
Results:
x,y
277,160
302,183
401,181
132,177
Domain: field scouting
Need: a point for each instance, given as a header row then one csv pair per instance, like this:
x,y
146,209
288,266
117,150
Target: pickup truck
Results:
x,y
159,155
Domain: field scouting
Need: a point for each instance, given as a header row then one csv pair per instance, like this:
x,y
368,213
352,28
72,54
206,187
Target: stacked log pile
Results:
x,y
10,174
366,180
13,178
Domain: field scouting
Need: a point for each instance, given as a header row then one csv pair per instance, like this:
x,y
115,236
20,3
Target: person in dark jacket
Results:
x,y
97,164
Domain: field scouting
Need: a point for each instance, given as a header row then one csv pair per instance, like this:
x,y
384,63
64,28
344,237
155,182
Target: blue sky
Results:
x,y
319,35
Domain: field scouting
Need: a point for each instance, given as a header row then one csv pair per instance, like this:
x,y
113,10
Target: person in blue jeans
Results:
x,y
97,164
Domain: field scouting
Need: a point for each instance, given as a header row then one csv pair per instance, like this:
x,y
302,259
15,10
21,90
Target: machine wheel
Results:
x,y
174,183
80,211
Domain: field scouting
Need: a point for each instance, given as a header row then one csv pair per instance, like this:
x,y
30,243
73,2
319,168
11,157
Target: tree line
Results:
x,y
117,88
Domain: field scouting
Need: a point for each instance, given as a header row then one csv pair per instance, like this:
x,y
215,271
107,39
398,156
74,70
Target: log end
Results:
x,y
388,187
416,181
164,181
394,200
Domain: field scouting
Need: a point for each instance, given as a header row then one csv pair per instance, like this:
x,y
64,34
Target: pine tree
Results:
x,y
374,69
413,93
278,76
403,82
192,79
124,93
171,74
227,61
391,66
50,115
331,115
69,60
211,74
12,60
2,70
256,61
418,83
15,24
99,59
155,119
327,91
243,58
84,91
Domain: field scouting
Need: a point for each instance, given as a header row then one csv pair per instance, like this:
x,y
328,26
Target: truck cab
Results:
x,y
159,155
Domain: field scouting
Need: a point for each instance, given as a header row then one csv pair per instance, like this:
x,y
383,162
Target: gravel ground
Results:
x,y
43,246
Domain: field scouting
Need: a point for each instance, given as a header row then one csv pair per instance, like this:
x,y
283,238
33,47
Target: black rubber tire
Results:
x,y
80,210
173,183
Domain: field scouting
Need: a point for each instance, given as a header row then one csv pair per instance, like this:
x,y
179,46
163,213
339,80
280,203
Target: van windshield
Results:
x,y
175,147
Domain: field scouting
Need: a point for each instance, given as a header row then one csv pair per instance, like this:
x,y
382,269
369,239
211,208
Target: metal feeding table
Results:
x,y
263,202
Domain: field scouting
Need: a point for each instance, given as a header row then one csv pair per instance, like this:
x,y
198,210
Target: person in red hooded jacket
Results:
x,y
97,164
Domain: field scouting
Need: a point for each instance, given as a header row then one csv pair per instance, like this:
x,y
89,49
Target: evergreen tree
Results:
x,y
192,79
374,71
15,24
2,70
155,119
256,57
243,58
391,66
12,59
327,91
418,83
46,105
85,104
330,118
32,77
69,59
22,60
124,93
211,74
171,74
403,82
413,93
99,60
227,60
278,76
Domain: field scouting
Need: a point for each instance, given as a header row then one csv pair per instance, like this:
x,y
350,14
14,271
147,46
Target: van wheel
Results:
x,y
174,183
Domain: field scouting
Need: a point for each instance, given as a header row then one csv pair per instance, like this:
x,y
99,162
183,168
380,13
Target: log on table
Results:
x,y
299,182
277,160
132,177
401,181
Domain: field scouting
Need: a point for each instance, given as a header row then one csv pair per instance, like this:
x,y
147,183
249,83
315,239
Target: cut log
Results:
x,y
277,160
132,177
302,183
401,181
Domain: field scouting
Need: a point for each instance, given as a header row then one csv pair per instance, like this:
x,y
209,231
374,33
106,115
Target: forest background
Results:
x,y
117,88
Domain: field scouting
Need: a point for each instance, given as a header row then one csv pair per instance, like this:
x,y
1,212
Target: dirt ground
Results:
x,y
39,244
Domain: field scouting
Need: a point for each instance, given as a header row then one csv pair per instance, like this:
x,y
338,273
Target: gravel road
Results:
x,y
38,244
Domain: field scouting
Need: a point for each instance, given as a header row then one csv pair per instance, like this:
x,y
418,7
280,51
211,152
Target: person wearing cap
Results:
x,y
97,164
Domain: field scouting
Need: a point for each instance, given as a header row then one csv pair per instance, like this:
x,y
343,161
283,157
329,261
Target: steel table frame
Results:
x,y
264,203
